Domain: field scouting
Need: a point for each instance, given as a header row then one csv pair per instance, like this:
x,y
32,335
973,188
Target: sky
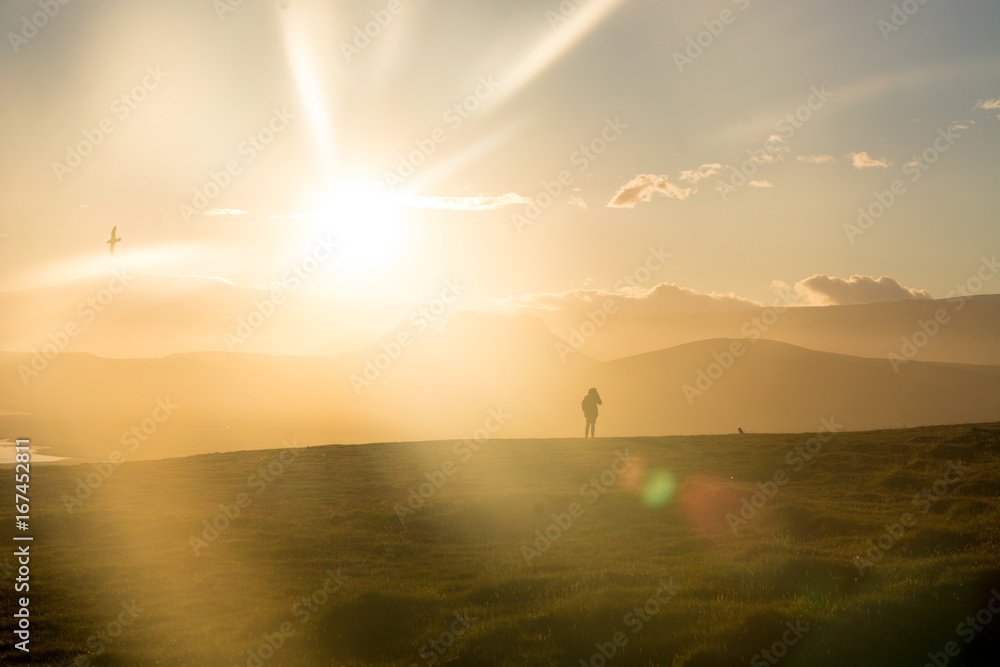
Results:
x,y
532,150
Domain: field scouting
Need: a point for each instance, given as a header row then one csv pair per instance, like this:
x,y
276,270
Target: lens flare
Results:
x,y
659,488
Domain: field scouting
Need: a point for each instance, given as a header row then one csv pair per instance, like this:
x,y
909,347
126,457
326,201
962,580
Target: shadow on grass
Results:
x,y
378,626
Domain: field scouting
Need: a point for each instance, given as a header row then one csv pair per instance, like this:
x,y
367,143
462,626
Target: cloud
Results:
x,y
643,187
770,152
823,290
692,176
477,203
225,211
988,105
816,159
661,299
480,203
864,161
722,186
579,203
964,125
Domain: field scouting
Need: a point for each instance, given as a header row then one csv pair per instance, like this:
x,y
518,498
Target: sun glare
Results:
x,y
369,227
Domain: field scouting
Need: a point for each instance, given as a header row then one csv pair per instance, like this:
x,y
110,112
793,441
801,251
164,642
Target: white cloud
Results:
x,y
643,187
579,203
661,299
988,104
832,291
864,161
722,186
225,211
480,203
816,159
772,153
477,203
692,176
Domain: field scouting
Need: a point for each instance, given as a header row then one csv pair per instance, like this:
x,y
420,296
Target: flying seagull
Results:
x,y
113,240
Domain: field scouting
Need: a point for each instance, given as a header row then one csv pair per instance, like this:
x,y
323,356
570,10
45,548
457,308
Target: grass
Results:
x,y
663,519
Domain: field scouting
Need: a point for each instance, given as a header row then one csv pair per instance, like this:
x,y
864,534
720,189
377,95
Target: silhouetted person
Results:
x,y
589,405
740,430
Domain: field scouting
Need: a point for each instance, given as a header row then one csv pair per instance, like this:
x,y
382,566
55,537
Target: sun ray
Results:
x,y
554,46
311,84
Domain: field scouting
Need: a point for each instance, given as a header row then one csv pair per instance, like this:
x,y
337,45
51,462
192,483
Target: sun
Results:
x,y
369,226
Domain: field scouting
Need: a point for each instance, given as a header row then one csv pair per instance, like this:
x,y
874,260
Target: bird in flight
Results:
x,y
113,240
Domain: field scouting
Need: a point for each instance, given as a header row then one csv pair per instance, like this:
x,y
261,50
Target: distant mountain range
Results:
x,y
158,316
969,335
439,384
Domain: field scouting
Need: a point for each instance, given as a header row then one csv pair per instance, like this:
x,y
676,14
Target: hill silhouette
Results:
x,y
477,363
157,316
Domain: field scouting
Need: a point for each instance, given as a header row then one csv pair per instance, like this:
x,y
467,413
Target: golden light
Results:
x,y
130,259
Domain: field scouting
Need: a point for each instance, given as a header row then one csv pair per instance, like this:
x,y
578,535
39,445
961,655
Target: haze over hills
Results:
x,y
442,385
331,370
154,316
157,316
866,330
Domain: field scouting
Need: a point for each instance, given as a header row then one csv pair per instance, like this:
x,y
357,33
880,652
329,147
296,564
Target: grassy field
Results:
x,y
326,558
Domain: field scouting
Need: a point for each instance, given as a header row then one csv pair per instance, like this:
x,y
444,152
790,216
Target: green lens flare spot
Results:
x,y
659,488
